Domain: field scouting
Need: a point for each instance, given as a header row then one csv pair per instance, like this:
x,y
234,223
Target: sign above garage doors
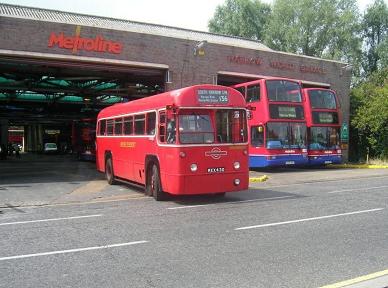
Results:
x,y
77,43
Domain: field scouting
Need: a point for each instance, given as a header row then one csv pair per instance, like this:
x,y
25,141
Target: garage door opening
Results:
x,y
42,99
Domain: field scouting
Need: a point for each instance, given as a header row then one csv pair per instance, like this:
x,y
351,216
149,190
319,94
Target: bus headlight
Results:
x,y
236,165
236,182
193,167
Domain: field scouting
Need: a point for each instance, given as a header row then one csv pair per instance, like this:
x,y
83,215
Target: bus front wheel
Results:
x,y
109,174
154,187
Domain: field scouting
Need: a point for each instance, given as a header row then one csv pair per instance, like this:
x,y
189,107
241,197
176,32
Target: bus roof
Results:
x,y
266,79
185,97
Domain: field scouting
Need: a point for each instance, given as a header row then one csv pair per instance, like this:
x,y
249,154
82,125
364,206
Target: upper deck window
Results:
x,y
283,91
322,99
253,93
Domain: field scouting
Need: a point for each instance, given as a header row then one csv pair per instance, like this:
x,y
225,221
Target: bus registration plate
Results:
x,y
290,162
216,170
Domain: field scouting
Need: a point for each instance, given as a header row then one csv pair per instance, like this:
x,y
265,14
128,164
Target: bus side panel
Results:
x,y
100,153
121,167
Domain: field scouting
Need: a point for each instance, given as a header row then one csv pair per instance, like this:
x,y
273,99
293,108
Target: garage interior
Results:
x,y
40,98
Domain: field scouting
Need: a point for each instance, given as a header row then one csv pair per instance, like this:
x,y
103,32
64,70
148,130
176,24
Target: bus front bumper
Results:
x,y
277,160
205,183
315,160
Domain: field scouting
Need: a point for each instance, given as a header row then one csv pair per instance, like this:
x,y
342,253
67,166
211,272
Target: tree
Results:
x,y
369,114
321,28
375,32
243,18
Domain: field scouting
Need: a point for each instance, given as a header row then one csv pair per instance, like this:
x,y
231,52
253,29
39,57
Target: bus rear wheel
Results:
x,y
154,187
109,174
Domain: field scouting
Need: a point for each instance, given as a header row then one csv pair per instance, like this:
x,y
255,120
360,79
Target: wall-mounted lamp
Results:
x,y
199,49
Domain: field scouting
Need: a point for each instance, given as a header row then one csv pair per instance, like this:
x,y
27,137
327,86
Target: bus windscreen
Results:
x,y
322,99
324,138
284,135
195,129
283,91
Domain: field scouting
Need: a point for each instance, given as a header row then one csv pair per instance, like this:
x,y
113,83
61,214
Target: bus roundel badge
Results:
x,y
216,153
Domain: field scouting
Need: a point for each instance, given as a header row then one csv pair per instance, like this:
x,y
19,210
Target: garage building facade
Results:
x,y
153,55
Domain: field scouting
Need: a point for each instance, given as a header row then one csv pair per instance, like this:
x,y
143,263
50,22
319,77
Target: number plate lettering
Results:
x,y
216,170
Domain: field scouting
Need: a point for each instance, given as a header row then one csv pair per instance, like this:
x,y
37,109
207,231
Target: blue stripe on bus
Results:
x,y
280,160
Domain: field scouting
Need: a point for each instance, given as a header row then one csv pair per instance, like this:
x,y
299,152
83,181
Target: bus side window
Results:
x,y
257,136
102,127
109,127
171,130
139,124
118,126
241,90
128,125
151,123
253,93
162,127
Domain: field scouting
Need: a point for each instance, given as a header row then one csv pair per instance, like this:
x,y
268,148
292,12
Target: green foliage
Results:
x,y
244,18
321,28
369,116
375,32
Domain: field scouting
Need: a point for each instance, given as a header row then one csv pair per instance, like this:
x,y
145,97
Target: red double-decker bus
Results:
x,y
277,125
188,141
323,118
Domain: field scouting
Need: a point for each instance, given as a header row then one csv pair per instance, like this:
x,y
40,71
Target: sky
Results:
x,y
192,15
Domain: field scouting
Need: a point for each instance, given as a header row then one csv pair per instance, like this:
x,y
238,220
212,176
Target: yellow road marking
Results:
x,y
358,166
91,187
357,280
258,179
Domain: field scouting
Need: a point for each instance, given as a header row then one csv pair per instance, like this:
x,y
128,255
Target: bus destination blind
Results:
x,y
208,96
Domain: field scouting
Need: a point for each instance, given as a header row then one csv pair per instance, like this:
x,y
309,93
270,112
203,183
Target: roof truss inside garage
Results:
x,y
32,84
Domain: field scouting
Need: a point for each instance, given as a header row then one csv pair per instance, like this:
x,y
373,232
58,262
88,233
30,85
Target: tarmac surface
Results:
x,y
62,226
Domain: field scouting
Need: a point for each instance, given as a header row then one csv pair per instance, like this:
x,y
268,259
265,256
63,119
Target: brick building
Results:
x,y
143,55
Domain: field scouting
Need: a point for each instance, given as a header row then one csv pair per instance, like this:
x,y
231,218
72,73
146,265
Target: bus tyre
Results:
x,y
154,186
109,174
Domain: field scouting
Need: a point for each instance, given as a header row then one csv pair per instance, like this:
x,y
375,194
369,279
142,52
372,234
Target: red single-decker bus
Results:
x,y
187,141
323,116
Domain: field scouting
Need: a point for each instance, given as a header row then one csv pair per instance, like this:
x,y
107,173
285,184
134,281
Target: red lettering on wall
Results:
x,y
281,65
76,43
312,69
244,60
